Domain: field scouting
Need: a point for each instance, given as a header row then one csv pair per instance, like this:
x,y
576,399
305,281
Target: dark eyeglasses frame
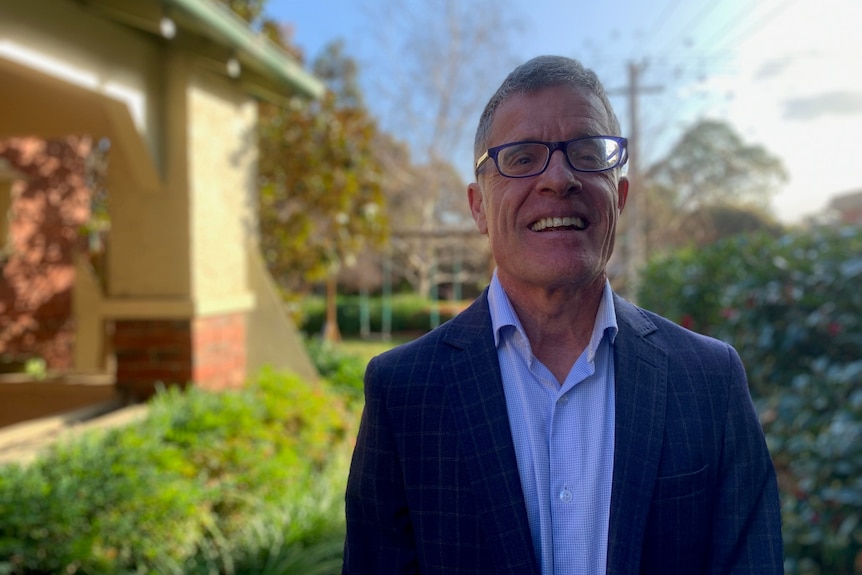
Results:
x,y
492,153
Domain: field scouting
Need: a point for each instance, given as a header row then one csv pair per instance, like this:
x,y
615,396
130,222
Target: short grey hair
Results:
x,y
534,75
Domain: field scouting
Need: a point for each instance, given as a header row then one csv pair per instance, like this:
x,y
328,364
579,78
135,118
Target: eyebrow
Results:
x,y
590,134
580,134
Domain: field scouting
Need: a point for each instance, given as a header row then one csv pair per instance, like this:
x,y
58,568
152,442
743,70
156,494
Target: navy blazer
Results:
x,y
434,485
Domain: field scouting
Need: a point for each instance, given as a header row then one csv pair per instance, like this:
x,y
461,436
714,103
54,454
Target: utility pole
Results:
x,y
636,205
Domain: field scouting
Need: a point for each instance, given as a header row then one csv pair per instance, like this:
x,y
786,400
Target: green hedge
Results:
x,y
792,306
345,372
410,314
247,481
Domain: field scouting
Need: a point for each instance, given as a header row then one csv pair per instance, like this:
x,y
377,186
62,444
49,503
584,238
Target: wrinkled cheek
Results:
x,y
610,239
493,242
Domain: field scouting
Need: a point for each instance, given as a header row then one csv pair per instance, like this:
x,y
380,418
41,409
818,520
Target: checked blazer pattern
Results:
x,y
434,485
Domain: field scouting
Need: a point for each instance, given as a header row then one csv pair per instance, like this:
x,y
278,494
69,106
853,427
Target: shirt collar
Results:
x,y
503,315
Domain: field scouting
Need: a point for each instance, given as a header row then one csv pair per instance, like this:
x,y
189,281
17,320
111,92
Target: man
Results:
x,y
553,428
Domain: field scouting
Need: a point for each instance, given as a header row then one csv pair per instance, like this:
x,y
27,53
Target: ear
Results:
x,y
622,192
477,207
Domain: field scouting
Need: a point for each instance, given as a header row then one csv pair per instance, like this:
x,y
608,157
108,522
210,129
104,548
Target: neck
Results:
x,y
558,321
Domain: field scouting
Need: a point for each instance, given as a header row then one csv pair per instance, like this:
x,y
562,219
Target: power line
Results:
x,y
739,36
699,64
704,58
676,65
660,20
746,28
735,19
698,17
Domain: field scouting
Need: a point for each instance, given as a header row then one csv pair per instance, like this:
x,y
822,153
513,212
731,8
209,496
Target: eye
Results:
x,y
589,154
594,154
522,158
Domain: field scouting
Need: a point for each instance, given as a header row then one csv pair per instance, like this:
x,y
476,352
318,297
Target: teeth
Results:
x,y
545,223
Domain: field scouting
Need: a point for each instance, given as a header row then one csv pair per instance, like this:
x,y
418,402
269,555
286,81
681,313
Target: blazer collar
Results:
x,y
640,373
474,387
475,390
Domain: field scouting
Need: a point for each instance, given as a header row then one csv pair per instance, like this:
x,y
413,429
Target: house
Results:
x,y
170,89
847,208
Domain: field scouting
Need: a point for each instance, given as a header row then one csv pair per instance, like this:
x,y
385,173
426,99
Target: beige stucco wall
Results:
x,y
271,338
91,351
181,178
82,48
181,201
87,75
222,150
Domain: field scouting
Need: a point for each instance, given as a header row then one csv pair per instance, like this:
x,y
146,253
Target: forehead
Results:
x,y
550,114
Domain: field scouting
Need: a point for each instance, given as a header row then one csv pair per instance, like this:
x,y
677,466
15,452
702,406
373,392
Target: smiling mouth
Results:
x,y
551,224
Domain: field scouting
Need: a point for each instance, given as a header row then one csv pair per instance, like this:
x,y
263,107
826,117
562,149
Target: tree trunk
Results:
x,y
330,328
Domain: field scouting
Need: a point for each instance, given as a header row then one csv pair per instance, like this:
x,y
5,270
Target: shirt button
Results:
x,y
564,400
566,496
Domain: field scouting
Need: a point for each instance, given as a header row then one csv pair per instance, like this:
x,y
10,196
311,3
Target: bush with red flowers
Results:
x,y
792,307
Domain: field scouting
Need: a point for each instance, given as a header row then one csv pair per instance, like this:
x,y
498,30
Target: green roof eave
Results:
x,y
227,28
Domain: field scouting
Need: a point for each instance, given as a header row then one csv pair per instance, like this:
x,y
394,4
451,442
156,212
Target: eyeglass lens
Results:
x,y
586,155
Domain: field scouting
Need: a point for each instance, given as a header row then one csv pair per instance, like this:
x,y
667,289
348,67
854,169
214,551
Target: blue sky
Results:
x,y
785,73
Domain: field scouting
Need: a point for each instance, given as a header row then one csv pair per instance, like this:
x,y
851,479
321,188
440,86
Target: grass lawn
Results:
x,y
368,348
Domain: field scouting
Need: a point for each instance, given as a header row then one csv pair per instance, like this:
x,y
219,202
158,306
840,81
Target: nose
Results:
x,y
559,177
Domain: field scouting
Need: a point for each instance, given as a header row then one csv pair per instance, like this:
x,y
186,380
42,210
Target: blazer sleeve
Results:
x,y
747,520
379,536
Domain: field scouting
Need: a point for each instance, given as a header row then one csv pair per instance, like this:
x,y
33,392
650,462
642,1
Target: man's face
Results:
x,y
530,247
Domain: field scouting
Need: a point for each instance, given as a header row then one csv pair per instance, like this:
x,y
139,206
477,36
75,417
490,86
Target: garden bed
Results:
x,y
23,397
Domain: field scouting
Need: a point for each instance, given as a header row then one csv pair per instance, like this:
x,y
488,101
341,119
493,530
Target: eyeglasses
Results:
x,y
588,154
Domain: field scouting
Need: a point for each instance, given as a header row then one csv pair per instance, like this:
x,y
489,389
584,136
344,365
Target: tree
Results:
x,y
449,252
320,202
252,11
711,164
320,183
438,83
726,220
320,199
450,56
709,223
341,74
709,173
249,10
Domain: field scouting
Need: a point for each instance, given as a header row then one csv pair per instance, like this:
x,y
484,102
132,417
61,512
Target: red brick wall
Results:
x,y
36,279
36,283
207,351
219,351
152,351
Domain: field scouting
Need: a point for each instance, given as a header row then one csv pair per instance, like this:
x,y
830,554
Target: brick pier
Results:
x,y
206,351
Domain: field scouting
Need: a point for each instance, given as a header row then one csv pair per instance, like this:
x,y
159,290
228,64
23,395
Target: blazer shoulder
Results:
x,y
469,329
665,333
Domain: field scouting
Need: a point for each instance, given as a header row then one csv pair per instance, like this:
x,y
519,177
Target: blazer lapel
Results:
x,y
475,390
640,389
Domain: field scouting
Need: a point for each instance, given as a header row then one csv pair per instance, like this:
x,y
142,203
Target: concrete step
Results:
x,y
22,442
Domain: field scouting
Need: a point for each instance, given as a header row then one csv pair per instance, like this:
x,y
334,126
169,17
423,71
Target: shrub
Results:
x,y
793,308
345,372
409,313
231,482
814,431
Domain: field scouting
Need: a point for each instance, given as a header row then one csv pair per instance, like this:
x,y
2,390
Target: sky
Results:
x,y
786,74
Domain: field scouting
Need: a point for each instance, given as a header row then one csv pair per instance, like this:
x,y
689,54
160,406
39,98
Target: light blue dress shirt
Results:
x,y
564,439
